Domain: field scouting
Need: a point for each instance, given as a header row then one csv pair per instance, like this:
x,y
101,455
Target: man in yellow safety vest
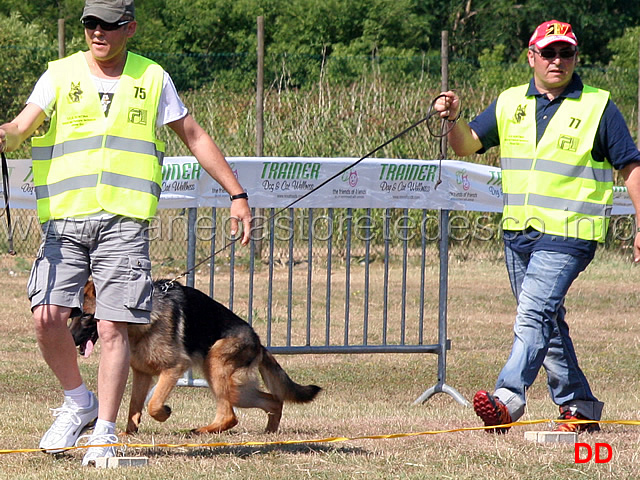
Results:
x,y
97,176
559,142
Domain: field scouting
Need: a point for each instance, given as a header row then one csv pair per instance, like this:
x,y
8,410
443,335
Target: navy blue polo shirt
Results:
x,y
613,142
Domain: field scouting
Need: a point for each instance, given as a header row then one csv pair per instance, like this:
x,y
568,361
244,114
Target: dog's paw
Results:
x,y
132,429
162,414
216,426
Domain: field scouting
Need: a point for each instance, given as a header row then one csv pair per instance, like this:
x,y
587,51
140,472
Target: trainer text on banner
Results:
x,y
275,182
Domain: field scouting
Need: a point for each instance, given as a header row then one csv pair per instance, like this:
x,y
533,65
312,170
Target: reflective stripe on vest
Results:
x,y
131,183
584,208
86,162
116,143
555,183
74,183
578,171
518,200
87,181
70,146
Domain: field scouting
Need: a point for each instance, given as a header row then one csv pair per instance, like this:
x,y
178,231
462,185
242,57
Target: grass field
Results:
x,y
364,395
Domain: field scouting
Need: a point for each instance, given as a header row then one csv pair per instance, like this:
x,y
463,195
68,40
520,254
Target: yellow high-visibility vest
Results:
x,y
86,162
555,186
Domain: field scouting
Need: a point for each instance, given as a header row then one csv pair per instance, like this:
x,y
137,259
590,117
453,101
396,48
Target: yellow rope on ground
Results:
x,y
326,440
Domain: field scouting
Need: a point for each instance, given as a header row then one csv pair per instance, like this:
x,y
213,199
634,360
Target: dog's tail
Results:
x,y
280,384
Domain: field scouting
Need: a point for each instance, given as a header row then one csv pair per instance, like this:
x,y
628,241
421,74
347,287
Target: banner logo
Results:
x,y
351,178
462,178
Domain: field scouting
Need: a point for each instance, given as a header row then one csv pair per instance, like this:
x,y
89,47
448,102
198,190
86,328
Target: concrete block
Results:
x,y
551,437
116,462
531,436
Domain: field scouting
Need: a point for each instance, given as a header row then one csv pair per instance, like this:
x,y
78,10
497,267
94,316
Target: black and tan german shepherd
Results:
x,y
190,329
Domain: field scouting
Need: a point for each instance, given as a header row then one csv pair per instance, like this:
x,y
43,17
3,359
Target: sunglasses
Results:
x,y
550,53
92,24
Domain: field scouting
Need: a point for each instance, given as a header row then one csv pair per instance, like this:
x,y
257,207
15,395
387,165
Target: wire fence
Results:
x,y
380,235
343,107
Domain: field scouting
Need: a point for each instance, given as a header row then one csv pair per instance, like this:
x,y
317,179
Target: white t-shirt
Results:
x,y
170,107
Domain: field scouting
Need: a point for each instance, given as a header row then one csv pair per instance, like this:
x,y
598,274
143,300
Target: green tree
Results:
x,y
28,48
479,24
46,13
624,49
205,41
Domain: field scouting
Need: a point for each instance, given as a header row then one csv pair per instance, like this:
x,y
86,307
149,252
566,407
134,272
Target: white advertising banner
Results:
x,y
276,182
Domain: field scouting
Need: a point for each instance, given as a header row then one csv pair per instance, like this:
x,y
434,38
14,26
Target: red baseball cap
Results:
x,y
551,32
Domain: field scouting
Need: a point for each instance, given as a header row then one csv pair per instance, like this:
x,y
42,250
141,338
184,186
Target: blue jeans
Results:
x,y
540,281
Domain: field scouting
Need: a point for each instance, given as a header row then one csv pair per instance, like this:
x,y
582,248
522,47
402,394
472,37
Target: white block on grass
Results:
x,y
116,462
551,437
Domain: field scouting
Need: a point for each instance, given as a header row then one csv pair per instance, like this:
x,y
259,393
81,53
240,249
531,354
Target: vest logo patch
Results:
x,y
137,116
521,112
75,93
568,143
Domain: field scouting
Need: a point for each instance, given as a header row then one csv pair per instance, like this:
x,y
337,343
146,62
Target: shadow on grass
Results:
x,y
250,451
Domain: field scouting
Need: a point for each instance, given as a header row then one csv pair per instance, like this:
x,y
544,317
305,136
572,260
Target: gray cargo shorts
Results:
x,y
114,250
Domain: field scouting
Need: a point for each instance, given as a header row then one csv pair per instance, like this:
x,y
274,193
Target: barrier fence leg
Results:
x,y
187,379
443,342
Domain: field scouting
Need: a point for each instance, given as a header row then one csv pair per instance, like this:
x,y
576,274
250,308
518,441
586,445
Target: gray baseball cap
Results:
x,y
108,10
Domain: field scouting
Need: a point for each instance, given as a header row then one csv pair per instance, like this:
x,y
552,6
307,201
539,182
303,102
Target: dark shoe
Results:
x,y
492,411
566,414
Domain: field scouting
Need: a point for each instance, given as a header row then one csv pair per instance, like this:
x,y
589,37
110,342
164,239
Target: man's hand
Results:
x,y
631,175
240,212
462,138
3,140
12,134
448,104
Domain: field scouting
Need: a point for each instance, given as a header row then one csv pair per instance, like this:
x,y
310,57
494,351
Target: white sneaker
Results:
x,y
94,453
69,424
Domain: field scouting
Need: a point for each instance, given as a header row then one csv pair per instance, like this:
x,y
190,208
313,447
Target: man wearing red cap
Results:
x,y
559,143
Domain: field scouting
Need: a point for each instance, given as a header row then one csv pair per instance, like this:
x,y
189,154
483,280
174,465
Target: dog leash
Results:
x,y
7,211
446,125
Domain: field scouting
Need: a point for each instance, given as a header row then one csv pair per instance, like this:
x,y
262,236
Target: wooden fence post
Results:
x,y
260,212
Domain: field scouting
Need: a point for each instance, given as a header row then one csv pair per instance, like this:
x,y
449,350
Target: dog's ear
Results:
x,y
89,304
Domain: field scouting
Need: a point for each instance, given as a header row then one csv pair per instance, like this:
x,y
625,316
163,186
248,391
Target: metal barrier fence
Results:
x,y
293,299
328,280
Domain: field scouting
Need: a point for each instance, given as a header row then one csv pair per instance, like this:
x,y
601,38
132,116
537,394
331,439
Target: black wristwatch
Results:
x,y
239,195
